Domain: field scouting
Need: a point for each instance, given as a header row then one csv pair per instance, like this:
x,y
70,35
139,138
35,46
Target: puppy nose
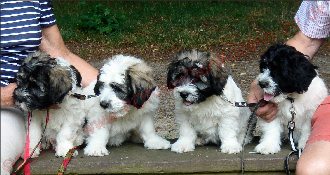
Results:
x,y
104,104
263,84
184,95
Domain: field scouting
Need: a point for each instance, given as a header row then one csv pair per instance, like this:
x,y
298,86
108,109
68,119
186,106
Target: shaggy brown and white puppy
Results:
x,y
202,90
127,103
41,82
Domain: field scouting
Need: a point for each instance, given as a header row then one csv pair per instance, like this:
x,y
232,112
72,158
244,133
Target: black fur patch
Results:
x,y
41,82
98,86
288,67
204,72
138,90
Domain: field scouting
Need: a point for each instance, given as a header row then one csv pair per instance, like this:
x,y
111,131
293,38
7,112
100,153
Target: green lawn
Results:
x,y
183,24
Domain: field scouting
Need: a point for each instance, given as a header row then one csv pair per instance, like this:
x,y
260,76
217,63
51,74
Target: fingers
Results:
x,y
268,112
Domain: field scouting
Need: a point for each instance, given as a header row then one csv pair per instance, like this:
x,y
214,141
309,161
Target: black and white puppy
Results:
x,y
202,90
127,103
286,74
41,82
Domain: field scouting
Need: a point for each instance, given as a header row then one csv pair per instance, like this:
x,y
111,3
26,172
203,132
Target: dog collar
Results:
x,y
242,104
82,97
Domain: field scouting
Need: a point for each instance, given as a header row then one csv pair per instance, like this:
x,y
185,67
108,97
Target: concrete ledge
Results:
x,y
134,158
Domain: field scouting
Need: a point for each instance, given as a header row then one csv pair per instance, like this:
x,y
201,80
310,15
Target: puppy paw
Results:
x,y
231,148
63,152
157,143
200,141
96,150
267,148
181,147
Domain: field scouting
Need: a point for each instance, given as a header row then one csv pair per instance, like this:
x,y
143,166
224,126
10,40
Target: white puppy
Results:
x,y
127,103
286,75
43,81
202,90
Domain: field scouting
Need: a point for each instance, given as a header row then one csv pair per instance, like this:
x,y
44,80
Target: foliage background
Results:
x,y
175,25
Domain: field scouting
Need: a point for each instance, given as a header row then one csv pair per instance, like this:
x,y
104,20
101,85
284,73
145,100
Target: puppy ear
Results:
x,y
179,65
140,84
171,75
98,86
299,74
218,75
60,83
76,76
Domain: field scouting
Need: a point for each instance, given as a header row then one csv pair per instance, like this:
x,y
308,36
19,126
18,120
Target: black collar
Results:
x,y
82,97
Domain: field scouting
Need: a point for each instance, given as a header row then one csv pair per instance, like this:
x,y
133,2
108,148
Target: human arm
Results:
x,y
7,92
304,44
53,44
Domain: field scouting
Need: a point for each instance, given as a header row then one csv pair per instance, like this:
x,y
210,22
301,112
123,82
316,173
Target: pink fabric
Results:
x,y
321,123
313,18
27,149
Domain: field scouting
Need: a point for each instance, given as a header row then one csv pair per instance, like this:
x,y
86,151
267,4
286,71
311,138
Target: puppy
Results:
x,y
41,82
287,74
128,100
202,90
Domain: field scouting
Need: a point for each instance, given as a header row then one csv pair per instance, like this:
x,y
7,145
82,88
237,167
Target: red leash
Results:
x,y
26,162
66,161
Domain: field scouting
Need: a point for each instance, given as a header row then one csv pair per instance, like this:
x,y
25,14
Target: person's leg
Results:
x,y
315,158
13,135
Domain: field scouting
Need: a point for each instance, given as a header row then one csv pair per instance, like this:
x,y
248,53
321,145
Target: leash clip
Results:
x,y
291,125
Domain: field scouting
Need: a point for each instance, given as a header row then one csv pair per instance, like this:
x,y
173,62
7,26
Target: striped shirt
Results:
x,y
21,23
313,18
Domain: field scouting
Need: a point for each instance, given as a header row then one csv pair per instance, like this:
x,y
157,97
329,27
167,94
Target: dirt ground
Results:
x,y
244,70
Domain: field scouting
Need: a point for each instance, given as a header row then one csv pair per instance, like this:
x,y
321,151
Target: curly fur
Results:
x,y
128,100
43,81
197,80
286,73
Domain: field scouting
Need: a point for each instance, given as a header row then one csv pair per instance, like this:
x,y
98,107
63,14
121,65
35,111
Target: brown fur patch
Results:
x,y
141,76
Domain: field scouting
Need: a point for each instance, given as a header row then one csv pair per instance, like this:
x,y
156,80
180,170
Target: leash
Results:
x,y
82,97
261,103
66,160
255,106
26,162
244,104
295,151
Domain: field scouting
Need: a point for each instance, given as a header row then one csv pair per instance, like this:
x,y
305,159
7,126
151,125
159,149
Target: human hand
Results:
x,y
7,93
267,112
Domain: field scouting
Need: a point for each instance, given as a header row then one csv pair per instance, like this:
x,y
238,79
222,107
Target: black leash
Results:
x,y
82,97
295,151
261,103
255,106
244,104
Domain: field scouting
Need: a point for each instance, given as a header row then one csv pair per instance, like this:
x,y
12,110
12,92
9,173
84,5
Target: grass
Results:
x,y
182,24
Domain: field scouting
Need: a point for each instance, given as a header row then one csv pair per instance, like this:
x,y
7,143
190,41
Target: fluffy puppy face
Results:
x,y
194,76
284,70
43,81
124,81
